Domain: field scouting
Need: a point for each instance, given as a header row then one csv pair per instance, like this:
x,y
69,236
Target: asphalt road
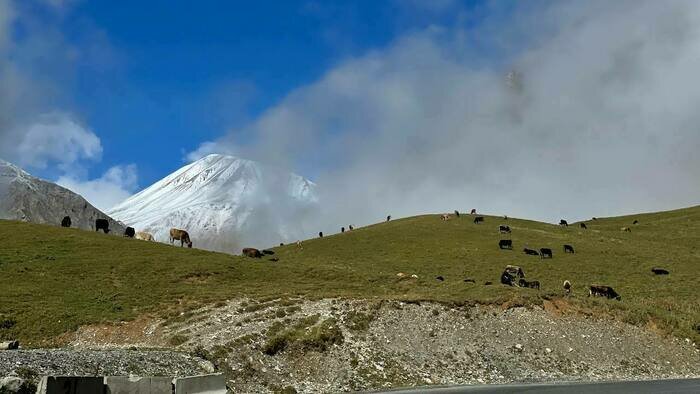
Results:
x,y
672,386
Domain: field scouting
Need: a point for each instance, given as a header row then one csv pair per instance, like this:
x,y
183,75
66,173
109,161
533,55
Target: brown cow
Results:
x,y
180,235
603,291
252,252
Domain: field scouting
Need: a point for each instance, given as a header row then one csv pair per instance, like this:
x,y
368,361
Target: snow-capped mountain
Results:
x,y
225,203
27,198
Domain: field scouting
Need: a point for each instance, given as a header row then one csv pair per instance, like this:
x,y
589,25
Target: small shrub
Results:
x,y
178,339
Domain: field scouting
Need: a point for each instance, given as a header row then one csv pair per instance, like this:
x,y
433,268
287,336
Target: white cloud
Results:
x,y
57,138
605,121
113,187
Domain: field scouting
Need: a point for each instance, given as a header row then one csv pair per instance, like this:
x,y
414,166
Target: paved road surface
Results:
x,y
675,386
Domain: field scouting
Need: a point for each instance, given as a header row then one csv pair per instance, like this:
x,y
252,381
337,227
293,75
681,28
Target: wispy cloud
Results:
x,y
114,186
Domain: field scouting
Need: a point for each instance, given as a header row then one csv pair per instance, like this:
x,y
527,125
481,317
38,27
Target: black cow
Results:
x,y
473,212
456,213
388,218
603,291
511,274
583,225
102,224
505,244
129,232
478,219
531,252
66,222
635,222
563,223
659,271
281,243
342,229
535,284
504,229
545,253
351,227
568,249
320,234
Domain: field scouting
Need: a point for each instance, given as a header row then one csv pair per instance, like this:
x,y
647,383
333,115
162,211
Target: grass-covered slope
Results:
x,y
53,279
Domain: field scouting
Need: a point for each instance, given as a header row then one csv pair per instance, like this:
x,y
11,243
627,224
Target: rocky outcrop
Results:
x,y
30,199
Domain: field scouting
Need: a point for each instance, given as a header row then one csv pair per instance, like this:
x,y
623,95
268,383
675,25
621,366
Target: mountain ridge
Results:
x,y
27,198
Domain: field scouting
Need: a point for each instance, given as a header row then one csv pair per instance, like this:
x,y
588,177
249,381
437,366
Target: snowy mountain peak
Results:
x,y
224,202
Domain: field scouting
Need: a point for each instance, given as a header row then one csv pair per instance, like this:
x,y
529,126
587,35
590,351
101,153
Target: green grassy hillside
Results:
x,y
53,280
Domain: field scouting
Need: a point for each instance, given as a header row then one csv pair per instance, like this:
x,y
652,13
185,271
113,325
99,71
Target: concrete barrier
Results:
x,y
71,385
137,385
203,384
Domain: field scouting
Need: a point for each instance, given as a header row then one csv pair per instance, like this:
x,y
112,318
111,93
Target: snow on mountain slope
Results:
x,y
27,198
225,203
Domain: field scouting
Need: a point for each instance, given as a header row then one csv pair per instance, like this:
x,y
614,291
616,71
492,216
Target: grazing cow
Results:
x,y
567,287
626,229
545,253
445,217
635,222
563,223
456,213
511,274
659,271
505,244
320,234
66,222
351,227
531,252
603,291
473,212
478,219
388,218
252,252
268,251
535,284
342,229
440,278
180,235
144,236
568,249
102,224
504,229
583,226
129,232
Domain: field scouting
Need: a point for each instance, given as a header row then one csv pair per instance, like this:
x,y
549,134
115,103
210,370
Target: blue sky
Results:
x,y
158,78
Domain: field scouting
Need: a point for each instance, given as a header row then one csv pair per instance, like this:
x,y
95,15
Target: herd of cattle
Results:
x,y
103,225
515,276
511,276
